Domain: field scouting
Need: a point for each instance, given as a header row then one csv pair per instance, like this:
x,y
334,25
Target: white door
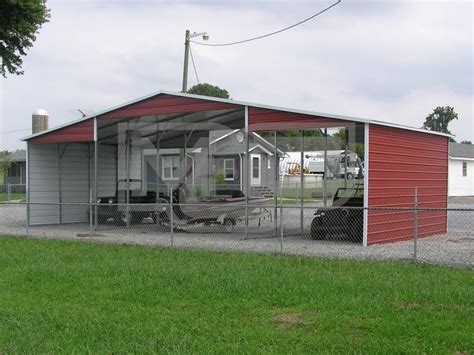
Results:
x,y
256,170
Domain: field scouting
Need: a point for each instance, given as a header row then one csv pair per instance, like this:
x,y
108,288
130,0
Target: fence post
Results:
x,y
281,226
27,218
171,215
415,225
91,215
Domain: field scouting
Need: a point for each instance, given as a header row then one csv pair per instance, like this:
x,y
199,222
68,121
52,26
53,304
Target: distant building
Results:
x,y
17,171
461,170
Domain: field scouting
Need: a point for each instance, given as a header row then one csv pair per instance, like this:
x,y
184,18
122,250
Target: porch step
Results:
x,y
263,191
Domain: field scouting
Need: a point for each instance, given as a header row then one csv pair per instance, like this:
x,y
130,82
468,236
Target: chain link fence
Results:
x,y
255,224
12,192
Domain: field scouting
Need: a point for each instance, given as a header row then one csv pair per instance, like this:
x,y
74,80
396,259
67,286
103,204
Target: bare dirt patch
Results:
x,y
288,320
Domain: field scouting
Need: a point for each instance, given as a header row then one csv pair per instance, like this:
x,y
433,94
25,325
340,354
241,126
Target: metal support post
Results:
x,y
60,182
277,177
247,171
127,166
170,189
325,178
302,183
415,226
346,136
27,218
96,188
281,221
91,226
27,190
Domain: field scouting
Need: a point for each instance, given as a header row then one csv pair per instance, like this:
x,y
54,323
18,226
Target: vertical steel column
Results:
x,y
185,159
96,188
170,192
415,225
91,228
281,221
325,177
60,182
209,172
127,166
366,183
277,177
346,136
27,189
302,182
247,170
89,174
157,186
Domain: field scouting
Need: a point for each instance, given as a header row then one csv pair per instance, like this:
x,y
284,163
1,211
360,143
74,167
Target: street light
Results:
x,y
187,37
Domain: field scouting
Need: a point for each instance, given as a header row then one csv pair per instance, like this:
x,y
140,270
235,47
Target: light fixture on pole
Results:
x,y
187,37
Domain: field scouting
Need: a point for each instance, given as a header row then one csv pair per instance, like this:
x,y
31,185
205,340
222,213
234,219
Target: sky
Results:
x,y
387,60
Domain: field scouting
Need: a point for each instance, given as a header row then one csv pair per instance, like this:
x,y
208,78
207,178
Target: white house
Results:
x,y
461,170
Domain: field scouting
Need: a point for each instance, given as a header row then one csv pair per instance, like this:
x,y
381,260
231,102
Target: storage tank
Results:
x,y
39,120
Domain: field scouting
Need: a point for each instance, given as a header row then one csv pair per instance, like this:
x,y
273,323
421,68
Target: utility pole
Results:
x,y
186,58
187,37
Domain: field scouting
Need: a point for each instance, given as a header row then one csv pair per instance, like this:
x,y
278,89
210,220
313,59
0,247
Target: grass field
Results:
x,y
63,296
13,197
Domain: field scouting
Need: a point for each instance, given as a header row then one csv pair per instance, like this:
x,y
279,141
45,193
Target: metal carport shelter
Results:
x,y
83,160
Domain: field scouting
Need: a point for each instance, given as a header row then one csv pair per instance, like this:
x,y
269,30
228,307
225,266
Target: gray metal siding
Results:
x,y
107,170
43,183
75,182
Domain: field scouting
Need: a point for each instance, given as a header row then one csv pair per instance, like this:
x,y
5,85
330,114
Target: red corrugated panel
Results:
x,y
79,132
167,104
261,119
399,161
157,105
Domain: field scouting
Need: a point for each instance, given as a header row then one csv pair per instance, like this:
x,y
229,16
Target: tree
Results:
x,y
5,164
20,21
466,142
206,89
439,119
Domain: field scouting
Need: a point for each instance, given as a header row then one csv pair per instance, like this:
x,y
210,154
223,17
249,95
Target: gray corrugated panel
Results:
x,y
75,182
43,183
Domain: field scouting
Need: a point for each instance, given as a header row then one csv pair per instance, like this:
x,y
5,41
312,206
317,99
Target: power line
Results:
x,y
271,33
18,130
194,65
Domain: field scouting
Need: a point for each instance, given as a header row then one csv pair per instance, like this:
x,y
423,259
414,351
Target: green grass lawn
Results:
x,y
63,296
13,197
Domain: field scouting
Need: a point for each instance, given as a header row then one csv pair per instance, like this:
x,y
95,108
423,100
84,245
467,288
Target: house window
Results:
x,y
255,168
464,168
14,170
229,169
170,167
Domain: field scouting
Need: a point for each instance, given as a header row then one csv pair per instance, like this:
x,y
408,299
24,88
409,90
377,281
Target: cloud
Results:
x,y
386,60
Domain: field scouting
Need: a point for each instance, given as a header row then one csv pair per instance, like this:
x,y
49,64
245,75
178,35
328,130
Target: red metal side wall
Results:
x,y
261,119
167,104
399,161
79,132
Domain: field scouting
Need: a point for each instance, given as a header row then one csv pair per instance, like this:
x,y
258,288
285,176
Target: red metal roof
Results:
x,y
75,133
167,104
160,104
263,119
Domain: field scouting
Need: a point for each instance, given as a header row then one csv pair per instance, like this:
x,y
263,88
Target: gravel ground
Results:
x,y
455,248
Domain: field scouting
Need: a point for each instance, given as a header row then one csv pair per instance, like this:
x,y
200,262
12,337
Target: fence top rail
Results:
x,y
243,205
